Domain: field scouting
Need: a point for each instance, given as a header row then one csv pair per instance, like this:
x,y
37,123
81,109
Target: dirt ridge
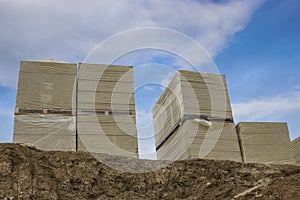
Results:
x,y
30,173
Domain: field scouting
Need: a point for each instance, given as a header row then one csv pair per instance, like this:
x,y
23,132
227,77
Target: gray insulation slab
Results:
x,y
103,87
108,144
114,135
205,94
296,149
196,140
46,85
108,125
190,93
265,142
108,88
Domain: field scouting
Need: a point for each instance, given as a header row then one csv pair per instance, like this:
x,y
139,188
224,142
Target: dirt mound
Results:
x,y
29,173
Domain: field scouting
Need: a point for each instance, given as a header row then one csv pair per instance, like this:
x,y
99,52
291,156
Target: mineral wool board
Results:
x,y
190,95
194,139
103,87
168,110
265,142
46,85
109,89
205,94
296,148
113,145
115,135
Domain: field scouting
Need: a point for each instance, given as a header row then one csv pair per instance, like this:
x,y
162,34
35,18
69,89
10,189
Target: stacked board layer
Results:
x,y
44,105
296,148
193,139
168,110
46,85
193,118
265,143
106,110
102,87
205,95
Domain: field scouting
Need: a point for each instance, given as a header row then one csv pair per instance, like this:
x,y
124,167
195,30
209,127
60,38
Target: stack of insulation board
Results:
x,y
194,139
265,142
193,119
207,90
296,148
106,110
168,110
44,105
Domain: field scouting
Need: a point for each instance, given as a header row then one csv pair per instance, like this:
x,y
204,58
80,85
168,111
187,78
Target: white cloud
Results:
x,y
149,88
65,30
267,107
146,139
167,79
144,118
296,87
5,113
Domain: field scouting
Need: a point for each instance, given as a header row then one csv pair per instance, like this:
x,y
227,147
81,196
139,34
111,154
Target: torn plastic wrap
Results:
x,y
265,142
47,132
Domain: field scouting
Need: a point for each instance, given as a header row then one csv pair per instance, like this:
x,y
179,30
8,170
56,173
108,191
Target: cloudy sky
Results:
x,y
254,43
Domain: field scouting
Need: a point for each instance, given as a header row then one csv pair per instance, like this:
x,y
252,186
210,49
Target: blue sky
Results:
x,y
254,43
262,65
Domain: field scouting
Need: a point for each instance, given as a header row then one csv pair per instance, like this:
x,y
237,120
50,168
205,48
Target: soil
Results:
x,y
30,173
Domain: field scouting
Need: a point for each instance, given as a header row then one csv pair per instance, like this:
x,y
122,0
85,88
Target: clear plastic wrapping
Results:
x,y
47,101
189,96
48,132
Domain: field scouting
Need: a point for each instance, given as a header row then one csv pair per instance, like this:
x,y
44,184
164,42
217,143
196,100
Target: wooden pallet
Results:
x,y
21,111
208,118
107,112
